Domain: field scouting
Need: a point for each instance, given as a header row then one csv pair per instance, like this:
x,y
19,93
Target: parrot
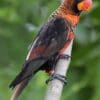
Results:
x,y
49,44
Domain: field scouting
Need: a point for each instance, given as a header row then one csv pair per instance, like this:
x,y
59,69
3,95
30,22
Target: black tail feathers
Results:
x,y
19,88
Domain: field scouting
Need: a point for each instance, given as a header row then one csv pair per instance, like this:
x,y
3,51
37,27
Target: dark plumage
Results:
x,y
52,38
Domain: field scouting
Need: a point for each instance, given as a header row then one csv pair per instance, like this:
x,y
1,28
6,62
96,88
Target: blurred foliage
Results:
x,y
20,20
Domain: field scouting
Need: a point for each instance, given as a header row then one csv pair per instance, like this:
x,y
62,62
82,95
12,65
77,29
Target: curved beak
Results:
x,y
85,5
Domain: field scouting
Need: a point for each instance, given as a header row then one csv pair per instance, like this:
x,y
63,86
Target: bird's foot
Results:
x,y
62,56
52,71
61,78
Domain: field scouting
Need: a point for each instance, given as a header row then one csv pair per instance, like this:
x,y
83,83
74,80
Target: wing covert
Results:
x,y
50,39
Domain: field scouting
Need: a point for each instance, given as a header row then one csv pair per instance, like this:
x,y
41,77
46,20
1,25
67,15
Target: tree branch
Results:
x,y
55,87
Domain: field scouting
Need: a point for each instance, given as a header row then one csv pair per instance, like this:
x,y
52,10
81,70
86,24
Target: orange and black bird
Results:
x,y
52,39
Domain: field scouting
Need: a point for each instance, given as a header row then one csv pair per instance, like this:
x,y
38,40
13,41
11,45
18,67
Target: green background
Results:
x,y
20,20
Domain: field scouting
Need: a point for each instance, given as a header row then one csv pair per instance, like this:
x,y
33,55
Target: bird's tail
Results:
x,y
19,88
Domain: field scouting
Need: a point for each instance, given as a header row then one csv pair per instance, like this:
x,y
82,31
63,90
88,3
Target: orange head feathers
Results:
x,y
71,9
77,6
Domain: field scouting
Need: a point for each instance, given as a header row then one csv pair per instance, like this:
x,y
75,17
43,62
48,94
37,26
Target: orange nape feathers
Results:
x,y
85,5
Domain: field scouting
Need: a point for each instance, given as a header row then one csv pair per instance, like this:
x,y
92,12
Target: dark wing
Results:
x,y
51,38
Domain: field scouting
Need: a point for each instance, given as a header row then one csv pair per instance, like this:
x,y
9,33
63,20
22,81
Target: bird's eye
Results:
x,y
79,1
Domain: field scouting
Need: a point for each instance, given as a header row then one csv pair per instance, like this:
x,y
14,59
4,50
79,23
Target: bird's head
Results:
x,y
77,6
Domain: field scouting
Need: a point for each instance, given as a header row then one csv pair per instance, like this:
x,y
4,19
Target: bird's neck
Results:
x,y
67,13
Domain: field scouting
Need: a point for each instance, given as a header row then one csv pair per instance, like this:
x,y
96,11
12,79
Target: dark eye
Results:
x,y
78,1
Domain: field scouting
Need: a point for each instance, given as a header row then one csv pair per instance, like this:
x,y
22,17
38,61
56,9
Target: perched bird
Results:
x,y
52,39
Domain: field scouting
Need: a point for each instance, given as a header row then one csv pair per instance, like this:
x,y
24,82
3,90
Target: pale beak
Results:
x,y
85,5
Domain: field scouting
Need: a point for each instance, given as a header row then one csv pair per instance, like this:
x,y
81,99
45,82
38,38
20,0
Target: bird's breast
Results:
x,y
72,19
70,37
